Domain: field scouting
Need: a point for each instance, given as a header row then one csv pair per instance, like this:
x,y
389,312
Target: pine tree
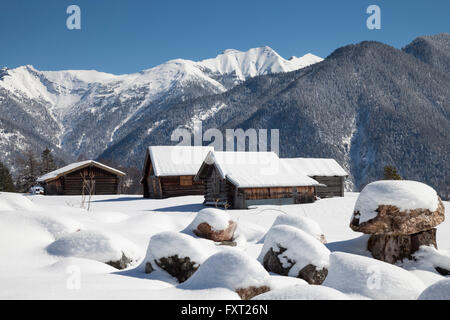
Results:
x,y
390,173
47,162
6,181
29,170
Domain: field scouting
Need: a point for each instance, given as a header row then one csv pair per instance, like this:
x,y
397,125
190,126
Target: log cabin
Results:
x,y
68,180
325,171
169,171
239,180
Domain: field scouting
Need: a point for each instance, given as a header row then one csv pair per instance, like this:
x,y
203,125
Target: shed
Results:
x,y
242,179
325,171
169,171
68,180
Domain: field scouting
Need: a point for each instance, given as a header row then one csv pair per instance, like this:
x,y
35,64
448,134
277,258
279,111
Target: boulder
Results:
x,y
231,269
390,248
213,224
122,263
250,292
292,252
390,220
178,254
400,216
204,230
397,208
180,268
309,273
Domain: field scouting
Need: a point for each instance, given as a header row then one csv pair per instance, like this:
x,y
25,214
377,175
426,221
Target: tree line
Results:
x,y
29,167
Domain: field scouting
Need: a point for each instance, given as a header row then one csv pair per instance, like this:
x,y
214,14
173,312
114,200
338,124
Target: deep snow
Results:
x,y
30,224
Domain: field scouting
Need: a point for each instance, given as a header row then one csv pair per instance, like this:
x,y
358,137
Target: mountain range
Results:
x,y
366,105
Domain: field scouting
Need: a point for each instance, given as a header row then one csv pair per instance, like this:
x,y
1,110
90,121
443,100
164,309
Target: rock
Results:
x,y
312,275
397,208
392,248
176,253
250,292
180,268
231,269
148,267
204,230
392,221
442,271
309,273
122,263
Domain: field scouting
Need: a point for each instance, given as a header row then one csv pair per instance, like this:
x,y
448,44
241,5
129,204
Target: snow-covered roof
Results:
x,y
75,166
256,169
177,160
316,166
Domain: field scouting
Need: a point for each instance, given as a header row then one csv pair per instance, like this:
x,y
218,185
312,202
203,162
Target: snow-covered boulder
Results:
x,y
231,269
400,216
303,292
305,224
178,254
108,248
213,224
293,252
397,207
354,274
437,291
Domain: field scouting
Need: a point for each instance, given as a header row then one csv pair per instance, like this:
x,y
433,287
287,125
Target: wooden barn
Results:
x,y
68,180
241,179
169,171
325,171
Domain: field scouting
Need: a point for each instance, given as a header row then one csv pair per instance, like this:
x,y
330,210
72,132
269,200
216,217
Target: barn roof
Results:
x,y
76,166
256,169
316,166
177,160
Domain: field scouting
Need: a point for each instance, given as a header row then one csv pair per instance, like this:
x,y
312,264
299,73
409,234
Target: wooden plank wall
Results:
x,y
71,184
181,186
334,188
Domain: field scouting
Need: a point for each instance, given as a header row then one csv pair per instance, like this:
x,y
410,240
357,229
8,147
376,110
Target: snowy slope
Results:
x,y
33,223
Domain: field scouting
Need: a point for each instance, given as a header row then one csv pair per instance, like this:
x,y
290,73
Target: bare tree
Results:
x,y
87,188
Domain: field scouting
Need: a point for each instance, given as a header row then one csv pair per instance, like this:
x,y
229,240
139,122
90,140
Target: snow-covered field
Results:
x,y
50,248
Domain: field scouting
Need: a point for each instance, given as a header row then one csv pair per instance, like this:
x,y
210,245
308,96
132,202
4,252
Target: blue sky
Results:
x,y
124,36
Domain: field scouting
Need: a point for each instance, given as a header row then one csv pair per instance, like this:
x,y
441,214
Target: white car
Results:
x,y
37,190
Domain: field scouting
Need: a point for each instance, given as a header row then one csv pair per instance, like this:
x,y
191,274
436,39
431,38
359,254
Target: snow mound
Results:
x,y
16,202
429,256
281,282
305,224
218,219
437,291
231,269
354,274
303,292
95,245
170,243
404,194
85,266
109,216
57,226
301,249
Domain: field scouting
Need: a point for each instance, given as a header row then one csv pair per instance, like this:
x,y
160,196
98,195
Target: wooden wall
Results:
x,y
221,192
334,188
71,184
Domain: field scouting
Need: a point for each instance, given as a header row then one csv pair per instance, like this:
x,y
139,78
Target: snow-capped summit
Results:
x,y
66,107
